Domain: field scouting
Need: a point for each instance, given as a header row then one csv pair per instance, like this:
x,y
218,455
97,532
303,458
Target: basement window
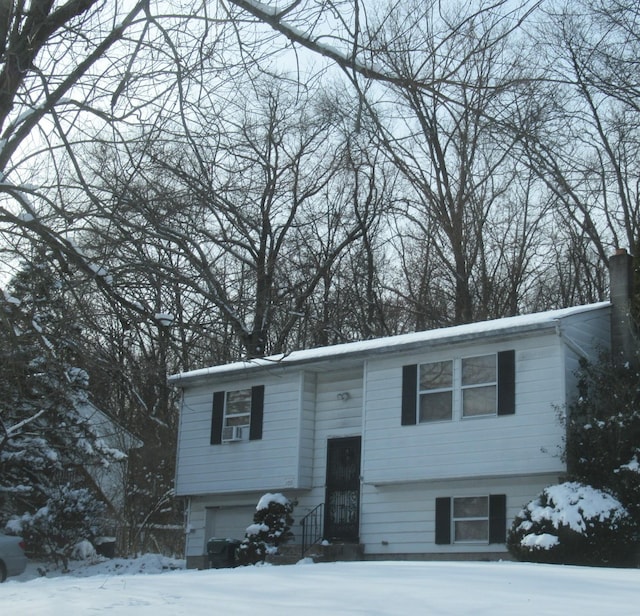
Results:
x,y
470,519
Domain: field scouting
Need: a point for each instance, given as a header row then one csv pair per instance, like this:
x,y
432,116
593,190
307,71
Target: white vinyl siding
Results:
x,y
334,417
271,463
528,441
584,335
400,519
307,428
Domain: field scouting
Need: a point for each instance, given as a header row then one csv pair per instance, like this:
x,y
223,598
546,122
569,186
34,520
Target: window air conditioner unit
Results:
x,y
232,434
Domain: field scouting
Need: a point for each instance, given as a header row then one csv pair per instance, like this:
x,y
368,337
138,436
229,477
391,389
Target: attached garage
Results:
x,y
228,522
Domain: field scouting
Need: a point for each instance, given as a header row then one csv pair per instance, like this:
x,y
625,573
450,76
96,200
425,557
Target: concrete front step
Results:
x,y
334,552
320,553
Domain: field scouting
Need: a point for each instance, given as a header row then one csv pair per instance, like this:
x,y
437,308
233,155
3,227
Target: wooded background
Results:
x,y
191,183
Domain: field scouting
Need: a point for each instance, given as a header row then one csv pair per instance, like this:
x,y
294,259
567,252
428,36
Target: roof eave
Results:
x,y
342,353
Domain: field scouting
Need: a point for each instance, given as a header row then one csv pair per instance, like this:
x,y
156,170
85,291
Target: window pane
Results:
x,y
436,375
238,402
472,530
471,507
237,420
435,407
479,370
479,401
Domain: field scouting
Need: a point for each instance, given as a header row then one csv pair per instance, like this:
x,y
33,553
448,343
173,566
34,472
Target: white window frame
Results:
x,y
462,519
227,417
423,393
457,389
479,385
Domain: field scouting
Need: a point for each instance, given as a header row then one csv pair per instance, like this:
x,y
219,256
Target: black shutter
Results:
x,y
217,414
497,518
506,383
443,520
409,394
257,407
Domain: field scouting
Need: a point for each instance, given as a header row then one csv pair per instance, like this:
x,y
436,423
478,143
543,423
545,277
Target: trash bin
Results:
x,y
105,546
222,552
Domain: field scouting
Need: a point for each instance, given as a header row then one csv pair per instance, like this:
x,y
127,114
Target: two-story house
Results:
x,y
424,445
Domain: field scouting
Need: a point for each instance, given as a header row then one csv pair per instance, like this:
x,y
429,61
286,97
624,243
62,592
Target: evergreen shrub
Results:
x,y
573,523
271,528
70,516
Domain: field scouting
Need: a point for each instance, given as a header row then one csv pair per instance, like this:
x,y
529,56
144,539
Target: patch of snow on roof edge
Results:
x,y
522,322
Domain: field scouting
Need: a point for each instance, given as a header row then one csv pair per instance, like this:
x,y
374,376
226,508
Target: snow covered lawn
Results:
x,y
368,589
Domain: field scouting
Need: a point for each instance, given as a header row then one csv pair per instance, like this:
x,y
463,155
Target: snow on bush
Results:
x,y
84,550
70,516
266,500
603,430
572,523
271,527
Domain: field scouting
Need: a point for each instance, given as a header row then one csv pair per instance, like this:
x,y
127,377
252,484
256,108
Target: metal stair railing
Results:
x,y
312,527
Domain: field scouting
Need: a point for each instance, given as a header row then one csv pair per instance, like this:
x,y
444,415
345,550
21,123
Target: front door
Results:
x,y
342,499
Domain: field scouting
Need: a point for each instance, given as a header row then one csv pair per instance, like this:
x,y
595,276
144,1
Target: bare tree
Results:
x,y
435,83
248,220
470,221
584,142
351,301
73,73
53,72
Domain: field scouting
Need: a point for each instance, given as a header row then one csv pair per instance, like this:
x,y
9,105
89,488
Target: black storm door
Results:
x,y
342,501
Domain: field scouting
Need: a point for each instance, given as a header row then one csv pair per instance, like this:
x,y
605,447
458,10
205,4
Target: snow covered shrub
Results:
x,y
573,523
70,516
603,431
251,550
84,550
44,432
271,527
627,484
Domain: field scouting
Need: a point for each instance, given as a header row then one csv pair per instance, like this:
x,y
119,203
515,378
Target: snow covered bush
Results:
x,y
70,516
603,429
627,484
84,550
251,550
271,527
573,523
43,387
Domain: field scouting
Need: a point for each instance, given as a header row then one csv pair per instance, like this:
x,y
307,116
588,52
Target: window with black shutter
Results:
x,y
474,386
237,415
471,519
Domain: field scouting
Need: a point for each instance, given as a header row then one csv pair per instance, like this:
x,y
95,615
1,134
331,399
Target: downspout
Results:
x,y
187,526
187,512
363,445
567,344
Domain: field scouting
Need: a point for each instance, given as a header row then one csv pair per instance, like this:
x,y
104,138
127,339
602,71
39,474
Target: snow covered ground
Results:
x,y
148,585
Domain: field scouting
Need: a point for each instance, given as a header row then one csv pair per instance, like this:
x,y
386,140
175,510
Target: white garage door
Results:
x,y
228,522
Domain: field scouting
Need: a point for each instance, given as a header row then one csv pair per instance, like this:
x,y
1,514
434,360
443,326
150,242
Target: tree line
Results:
x,y
194,183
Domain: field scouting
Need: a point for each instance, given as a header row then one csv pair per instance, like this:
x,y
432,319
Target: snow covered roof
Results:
x,y
107,428
508,326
